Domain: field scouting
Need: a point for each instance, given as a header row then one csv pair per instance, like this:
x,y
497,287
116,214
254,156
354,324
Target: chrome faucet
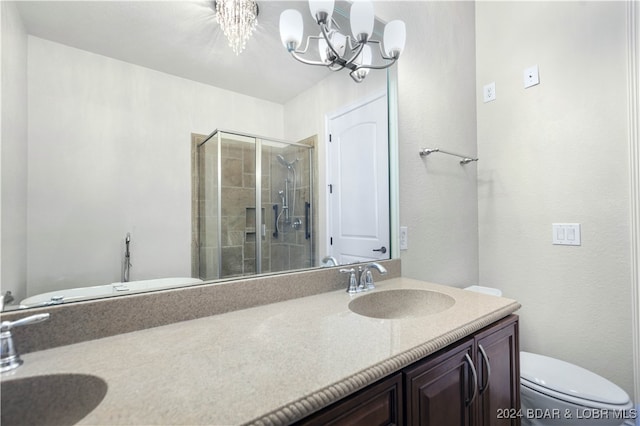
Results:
x,y
353,282
366,278
5,299
9,358
330,261
127,259
362,279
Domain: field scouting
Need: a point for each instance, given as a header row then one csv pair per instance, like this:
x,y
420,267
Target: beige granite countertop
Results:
x,y
271,364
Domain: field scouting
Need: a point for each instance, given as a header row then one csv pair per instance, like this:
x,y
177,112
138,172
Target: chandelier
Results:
x,y
336,50
238,19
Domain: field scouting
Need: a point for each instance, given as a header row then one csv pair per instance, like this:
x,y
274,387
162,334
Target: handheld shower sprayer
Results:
x,y
127,259
283,198
288,204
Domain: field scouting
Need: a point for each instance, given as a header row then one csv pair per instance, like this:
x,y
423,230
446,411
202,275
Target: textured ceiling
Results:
x,y
181,38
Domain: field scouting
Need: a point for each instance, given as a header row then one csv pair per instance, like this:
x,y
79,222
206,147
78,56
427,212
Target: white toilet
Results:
x,y
555,392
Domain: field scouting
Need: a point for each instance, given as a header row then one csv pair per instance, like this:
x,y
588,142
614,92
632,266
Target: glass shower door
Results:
x,y
287,202
234,237
227,223
208,262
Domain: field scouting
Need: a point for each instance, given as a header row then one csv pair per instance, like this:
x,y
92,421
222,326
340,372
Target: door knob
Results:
x,y
382,249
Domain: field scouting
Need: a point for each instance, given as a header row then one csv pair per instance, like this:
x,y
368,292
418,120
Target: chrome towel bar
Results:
x,y
465,160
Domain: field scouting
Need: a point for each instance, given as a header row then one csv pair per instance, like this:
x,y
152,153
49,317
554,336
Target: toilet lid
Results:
x,y
569,379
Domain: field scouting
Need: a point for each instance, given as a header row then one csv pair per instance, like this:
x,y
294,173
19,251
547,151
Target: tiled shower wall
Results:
x,y
238,209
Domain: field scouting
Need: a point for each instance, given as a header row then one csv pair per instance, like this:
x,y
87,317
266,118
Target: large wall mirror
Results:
x,y
98,177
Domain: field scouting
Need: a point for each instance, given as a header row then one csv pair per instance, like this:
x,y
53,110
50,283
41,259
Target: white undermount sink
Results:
x,y
401,303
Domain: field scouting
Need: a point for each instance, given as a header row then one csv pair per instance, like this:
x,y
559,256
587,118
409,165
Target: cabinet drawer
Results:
x,y
378,404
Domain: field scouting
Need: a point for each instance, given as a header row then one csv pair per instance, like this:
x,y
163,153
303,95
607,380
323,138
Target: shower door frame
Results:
x,y
258,140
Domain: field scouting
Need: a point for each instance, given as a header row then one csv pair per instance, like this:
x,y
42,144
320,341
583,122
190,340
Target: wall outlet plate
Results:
x,y
489,92
404,235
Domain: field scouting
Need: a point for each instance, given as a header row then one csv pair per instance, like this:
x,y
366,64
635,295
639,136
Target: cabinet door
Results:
x,y
377,405
498,364
440,390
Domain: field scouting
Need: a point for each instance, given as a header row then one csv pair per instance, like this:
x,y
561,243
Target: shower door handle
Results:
x,y
382,249
275,221
307,210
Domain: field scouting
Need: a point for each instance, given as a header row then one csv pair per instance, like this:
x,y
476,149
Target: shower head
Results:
x,y
284,162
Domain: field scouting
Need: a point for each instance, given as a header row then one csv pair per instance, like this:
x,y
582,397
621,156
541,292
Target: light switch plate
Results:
x,y
566,234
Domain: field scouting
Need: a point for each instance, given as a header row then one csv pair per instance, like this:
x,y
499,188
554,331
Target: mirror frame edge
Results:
x,y
394,161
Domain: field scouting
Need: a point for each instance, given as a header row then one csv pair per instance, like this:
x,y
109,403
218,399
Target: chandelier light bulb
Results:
x,y
362,18
394,37
363,59
291,29
319,8
339,43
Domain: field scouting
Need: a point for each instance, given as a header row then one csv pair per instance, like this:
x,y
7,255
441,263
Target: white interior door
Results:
x,y
358,177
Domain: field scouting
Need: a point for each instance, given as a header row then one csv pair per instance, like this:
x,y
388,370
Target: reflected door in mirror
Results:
x,y
359,185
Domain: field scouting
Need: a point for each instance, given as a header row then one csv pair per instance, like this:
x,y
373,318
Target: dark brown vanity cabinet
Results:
x,y
473,382
377,404
440,388
498,402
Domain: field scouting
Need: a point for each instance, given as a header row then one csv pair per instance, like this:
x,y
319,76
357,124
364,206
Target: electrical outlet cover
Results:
x,y
489,92
404,235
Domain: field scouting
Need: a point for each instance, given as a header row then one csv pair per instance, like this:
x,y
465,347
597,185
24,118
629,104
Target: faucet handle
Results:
x,y
9,357
368,280
366,277
33,319
353,282
327,260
